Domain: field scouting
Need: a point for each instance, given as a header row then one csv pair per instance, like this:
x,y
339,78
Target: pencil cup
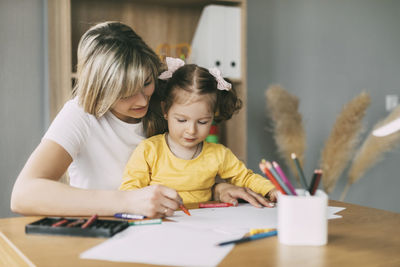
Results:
x,y
302,219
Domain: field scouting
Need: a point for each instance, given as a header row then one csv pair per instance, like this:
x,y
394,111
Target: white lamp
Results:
x,y
387,129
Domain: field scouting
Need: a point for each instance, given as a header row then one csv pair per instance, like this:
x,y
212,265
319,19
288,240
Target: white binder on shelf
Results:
x,y
217,40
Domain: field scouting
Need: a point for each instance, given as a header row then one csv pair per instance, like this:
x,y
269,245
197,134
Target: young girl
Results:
x,y
95,133
181,159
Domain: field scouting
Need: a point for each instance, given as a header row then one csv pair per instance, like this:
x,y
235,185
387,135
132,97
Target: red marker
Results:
x,y
185,210
89,222
59,223
215,205
75,223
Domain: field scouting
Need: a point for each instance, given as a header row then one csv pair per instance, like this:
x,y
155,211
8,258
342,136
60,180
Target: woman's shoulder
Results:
x,y
70,127
72,109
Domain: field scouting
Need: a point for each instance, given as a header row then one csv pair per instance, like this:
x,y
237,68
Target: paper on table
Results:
x,y
333,210
191,240
168,243
236,220
233,220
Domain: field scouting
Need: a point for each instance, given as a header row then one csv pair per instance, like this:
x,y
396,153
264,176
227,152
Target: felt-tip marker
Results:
x,y
89,222
184,209
59,222
145,222
129,216
215,205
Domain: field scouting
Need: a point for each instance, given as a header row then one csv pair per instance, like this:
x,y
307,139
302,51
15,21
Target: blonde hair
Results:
x,y
113,62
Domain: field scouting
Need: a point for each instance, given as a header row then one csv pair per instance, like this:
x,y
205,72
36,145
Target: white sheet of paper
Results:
x,y
333,210
232,220
235,220
190,240
168,243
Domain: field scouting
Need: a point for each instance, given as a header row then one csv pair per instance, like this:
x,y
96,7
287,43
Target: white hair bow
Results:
x,y
173,64
222,84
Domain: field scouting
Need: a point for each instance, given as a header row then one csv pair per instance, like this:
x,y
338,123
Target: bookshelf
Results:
x,y
156,21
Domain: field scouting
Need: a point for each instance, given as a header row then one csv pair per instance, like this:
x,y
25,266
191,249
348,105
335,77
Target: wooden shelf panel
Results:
x,y
157,22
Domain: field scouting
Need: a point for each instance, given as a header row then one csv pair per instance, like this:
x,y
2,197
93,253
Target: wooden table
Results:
x,y
363,237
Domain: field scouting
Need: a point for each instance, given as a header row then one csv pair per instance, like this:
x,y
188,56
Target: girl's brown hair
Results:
x,y
198,81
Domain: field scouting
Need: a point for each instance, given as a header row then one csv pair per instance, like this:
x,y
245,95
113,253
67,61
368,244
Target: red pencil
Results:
x,y
215,205
89,222
267,173
185,210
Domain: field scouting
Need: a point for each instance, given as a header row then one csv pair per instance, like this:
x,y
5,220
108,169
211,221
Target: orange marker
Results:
x,y
185,210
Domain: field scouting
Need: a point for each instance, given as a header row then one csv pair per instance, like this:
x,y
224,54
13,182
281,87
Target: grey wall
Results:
x,y
323,51
326,52
22,75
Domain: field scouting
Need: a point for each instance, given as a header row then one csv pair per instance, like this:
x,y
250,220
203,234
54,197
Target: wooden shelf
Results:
x,y
156,21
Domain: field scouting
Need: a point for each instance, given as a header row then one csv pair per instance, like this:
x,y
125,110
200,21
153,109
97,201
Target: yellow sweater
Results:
x,y
152,162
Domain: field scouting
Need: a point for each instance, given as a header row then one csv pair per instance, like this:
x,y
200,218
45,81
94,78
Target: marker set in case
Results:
x,y
76,227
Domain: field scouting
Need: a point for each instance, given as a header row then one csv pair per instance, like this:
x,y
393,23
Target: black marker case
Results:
x,y
99,228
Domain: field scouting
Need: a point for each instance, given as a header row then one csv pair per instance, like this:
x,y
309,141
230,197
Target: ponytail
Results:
x,y
227,104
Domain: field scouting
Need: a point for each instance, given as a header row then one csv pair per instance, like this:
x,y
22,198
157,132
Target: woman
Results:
x,y
95,132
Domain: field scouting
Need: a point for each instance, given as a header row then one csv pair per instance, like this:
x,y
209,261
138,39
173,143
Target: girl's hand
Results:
x,y
272,195
229,193
153,201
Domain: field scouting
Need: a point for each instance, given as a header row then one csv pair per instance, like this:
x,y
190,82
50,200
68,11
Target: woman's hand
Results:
x,y
153,201
229,193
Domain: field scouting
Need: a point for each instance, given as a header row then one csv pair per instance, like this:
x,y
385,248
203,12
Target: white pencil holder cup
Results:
x,y
302,219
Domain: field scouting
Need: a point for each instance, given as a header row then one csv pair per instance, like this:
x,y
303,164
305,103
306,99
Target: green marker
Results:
x,y
146,222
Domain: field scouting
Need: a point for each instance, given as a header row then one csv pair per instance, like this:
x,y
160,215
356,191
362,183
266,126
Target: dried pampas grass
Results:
x,y
340,145
288,130
372,150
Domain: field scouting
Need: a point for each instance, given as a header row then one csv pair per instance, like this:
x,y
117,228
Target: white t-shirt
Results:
x,y
99,147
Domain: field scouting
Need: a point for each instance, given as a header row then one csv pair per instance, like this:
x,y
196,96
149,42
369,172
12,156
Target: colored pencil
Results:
x,y
278,178
249,238
314,177
316,182
300,170
284,178
260,230
267,173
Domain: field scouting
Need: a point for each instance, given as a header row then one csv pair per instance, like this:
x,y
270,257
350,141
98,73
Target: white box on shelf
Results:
x,y
217,40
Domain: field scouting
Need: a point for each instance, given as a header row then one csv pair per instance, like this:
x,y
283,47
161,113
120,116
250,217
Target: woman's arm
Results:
x,y
37,191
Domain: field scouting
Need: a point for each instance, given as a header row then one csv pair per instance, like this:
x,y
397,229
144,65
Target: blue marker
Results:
x,y
249,238
129,216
